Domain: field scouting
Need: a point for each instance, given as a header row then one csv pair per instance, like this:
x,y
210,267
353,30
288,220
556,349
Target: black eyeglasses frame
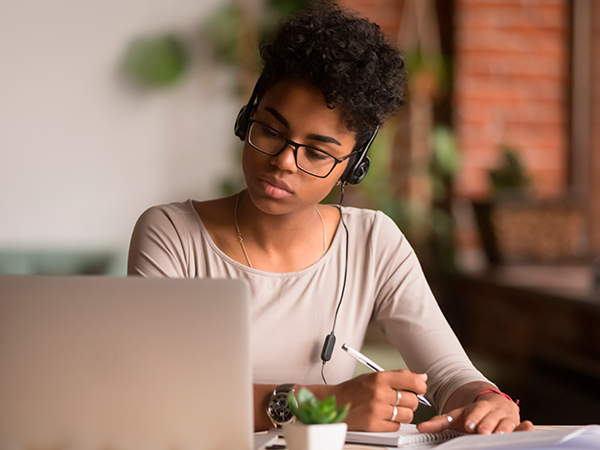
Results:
x,y
295,146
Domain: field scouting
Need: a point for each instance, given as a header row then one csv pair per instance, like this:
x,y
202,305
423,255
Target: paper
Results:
x,y
587,437
406,436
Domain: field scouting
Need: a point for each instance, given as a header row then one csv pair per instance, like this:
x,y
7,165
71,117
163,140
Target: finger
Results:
x,y
377,418
474,415
526,425
406,399
358,421
399,414
489,422
407,381
505,426
436,424
394,414
398,397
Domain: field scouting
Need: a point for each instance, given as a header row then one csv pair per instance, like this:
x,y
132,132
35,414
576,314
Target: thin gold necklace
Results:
x,y
241,240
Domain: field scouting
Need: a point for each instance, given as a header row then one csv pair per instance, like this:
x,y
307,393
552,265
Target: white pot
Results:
x,y
329,436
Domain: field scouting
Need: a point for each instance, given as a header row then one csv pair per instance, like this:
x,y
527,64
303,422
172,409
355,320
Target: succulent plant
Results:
x,y
309,410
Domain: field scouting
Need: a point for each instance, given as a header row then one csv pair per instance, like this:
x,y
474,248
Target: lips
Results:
x,y
276,188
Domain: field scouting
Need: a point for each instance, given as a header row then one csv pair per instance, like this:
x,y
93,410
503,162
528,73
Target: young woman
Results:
x,y
329,81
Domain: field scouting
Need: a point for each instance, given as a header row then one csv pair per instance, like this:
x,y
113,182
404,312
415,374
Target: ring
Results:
x,y
450,419
394,414
398,397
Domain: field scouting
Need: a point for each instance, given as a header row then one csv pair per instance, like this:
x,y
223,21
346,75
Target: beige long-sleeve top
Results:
x,y
291,313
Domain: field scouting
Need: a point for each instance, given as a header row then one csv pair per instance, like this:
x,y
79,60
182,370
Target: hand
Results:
x,y
374,396
491,413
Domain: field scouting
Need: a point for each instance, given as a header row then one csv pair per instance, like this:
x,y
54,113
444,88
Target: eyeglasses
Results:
x,y
311,160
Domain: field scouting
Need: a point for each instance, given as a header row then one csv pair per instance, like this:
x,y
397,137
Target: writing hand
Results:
x,y
492,413
374,397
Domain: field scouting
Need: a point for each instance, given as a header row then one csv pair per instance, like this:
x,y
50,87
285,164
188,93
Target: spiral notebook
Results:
x,y
405,436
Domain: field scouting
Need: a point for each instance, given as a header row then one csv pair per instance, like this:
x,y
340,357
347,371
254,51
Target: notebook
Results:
x,y
124,363
407,435
563,438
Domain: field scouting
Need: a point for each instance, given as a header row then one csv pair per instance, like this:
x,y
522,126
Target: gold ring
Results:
x,y
394,414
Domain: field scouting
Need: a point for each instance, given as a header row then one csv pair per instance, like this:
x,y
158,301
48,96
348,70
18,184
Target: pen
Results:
x,y
374,367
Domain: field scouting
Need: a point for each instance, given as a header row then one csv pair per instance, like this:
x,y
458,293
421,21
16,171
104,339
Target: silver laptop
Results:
x,y
124,363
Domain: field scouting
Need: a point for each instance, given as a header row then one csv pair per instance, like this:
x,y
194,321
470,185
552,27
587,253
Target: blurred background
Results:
x,y
492,168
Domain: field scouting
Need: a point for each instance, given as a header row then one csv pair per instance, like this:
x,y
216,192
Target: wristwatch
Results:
x,y
279,408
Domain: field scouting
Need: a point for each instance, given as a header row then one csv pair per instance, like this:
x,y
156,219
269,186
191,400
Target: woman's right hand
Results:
x,y
373,397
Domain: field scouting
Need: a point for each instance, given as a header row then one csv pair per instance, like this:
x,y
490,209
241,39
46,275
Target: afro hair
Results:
x,y
348,58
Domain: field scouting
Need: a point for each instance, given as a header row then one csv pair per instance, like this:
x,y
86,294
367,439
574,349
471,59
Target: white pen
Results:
x,y
374,367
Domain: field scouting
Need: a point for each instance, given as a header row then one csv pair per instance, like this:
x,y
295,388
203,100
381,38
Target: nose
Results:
x,y
285,160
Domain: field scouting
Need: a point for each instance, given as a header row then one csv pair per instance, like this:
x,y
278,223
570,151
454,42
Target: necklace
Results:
x,y
241,240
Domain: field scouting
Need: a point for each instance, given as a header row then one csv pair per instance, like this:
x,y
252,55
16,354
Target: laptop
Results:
x,y
124,363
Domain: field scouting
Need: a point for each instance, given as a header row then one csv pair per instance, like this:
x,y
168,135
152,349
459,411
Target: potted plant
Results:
x,y
319,424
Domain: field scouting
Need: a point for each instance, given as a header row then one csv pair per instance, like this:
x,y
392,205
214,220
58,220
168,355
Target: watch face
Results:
x,y
279,409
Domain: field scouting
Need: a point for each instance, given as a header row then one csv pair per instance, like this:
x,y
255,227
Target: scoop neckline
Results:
x,y
228,259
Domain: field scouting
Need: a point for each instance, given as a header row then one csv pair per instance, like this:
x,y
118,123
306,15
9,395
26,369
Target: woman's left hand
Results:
x,y
491,413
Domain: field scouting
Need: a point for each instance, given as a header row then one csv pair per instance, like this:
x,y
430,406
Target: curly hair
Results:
x,y
346,57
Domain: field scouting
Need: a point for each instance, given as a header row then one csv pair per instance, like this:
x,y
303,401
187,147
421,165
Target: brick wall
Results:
x,y
511,82
385,13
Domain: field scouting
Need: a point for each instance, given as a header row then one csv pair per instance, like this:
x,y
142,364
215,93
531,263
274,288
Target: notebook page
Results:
x,y
406,436
560,438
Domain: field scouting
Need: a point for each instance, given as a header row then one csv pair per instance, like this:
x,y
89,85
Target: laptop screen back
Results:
x,y
124,363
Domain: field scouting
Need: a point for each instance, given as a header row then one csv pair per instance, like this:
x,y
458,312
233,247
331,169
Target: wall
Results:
x,y
511,85
594,166
385,13
82,151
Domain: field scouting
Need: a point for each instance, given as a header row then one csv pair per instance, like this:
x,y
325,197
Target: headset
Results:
x,y
355,172
358,163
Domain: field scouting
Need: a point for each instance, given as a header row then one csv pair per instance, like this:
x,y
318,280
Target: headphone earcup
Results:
x,y
358,164
241,124
356,170
359,172
349,169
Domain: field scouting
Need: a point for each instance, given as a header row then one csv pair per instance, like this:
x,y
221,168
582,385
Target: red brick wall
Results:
x,y
385,13
511,83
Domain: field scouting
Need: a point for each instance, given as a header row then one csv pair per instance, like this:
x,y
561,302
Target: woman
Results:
x,y
329,81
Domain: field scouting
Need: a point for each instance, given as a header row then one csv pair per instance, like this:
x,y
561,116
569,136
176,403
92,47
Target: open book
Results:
x,y
407,435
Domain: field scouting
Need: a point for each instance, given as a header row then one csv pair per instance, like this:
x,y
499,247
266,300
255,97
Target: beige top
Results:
x,y
291,313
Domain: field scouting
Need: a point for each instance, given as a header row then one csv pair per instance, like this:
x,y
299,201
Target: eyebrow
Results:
x,y
312,136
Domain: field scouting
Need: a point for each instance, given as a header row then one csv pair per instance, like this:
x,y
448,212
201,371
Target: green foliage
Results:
x,y
435,65
156,60
309,410
376,184
225,27
510,178
223,30
445,154
287,7
445,162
